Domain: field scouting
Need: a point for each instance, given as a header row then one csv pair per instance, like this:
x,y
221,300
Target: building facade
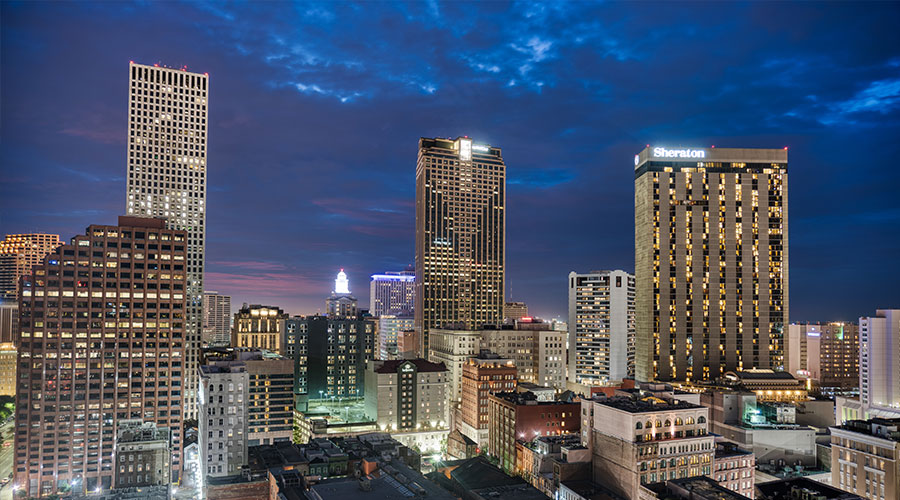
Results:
x,y
259,327
223,418
538,352
516,416
879,359
711,261
8,360
482,375
514,311
735,469
460,235
641,441
9,319
393,293
18,254
826,353
102,336
142,455
167,136
341,303
601,327
330,356
865,458
454,348
390,328
216,319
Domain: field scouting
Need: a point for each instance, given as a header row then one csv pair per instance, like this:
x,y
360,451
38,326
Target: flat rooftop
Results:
x,y
646,405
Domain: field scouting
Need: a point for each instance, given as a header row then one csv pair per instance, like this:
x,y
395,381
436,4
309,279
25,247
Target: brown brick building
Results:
x,y
481,376
100,340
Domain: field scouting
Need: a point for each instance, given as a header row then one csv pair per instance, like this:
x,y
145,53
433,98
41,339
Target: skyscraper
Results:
x,y
102,323
460,235
879,359
827,353
711,261
18,253
601,327
216,318
393,292
167,134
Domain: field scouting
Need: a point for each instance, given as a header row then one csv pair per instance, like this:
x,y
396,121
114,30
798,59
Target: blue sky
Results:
x,y
316,108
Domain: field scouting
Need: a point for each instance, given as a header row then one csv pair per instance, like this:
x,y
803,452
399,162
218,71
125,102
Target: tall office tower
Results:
x,y
460,235
711,261
18,253
879,359
827,353
167,127
393,292
101,339
601,327
216,318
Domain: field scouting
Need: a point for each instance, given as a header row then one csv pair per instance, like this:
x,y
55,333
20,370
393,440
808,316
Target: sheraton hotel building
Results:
x,y
711,261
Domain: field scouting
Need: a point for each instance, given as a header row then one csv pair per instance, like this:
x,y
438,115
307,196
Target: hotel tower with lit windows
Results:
x,y
711,261
167,127
460,235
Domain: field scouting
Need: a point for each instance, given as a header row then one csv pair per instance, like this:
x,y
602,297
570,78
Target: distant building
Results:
x,y
408,345
520,416
330,356
454,348
734,468
259,327
538,352
18,254
548,461
460,446
9,320
460,235
635,442
482,375
392,293
8,359
216,318
826,353
390,327
142,454
769,385
865,458
601,327
408,398
514,311
223,418
341,304
879,359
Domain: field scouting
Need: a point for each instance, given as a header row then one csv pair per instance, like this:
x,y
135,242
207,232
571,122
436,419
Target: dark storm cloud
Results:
x,y
315,109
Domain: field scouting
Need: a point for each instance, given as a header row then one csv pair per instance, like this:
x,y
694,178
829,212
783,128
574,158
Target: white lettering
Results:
x,y
678,153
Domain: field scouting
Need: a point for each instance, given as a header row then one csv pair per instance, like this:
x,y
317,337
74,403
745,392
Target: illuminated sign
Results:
x,y
637,160
465,149
407,368
678,153
480,148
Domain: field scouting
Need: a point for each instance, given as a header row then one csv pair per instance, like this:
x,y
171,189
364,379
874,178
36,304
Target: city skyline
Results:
x,y
561,154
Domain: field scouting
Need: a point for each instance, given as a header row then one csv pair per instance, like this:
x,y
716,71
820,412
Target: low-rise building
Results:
x,y
483,375
734,468
520,416
769,385
801,488
547,461
143,452
538,351
865,458
408,398
460,446
642,441
691,488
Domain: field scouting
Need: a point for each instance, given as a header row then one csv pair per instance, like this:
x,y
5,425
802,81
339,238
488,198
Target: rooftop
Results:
x,y
590,490
477,473
695,488
647,405
778,490
421,365
525,398
762,374
884,428
381,486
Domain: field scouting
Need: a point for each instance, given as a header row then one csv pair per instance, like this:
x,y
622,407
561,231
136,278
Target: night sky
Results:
x,y
316,109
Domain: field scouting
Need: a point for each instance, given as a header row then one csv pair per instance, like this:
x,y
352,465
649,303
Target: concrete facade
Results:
x,y
826,353
454,348
538,352
223,418
879,359
143,453
865,458
259,327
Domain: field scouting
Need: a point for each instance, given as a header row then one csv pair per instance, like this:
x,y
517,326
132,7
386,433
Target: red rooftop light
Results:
x,y
785,148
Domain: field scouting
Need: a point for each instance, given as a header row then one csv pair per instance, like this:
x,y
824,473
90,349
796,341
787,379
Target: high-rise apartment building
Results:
x,y
827,353
460,235
216,318
167,134
879,359
711,261
102,331
538,352
601,327
18,254
392,293
259,327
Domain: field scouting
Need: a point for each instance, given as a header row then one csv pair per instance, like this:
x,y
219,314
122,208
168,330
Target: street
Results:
x,y
6,459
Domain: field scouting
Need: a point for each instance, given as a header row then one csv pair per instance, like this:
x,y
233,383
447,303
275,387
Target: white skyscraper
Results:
x,y
601,327
167,134
392,293
879,359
